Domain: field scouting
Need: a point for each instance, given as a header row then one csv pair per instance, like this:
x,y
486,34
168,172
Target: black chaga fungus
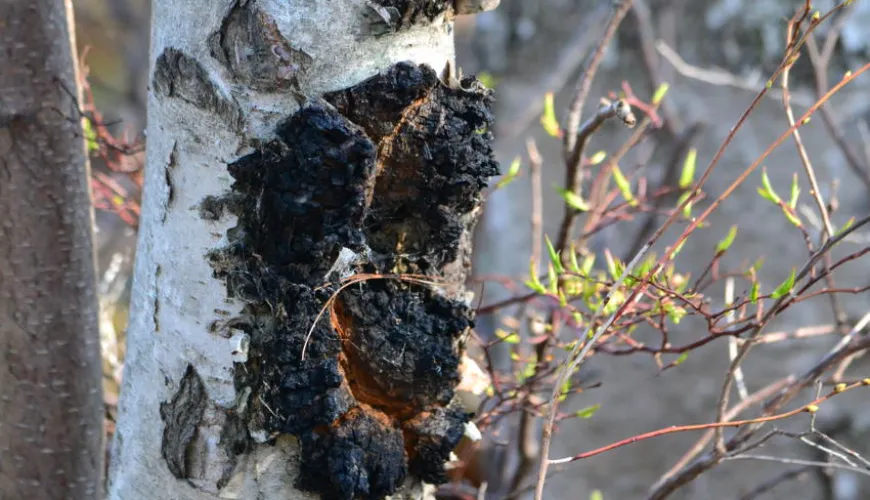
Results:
x,y
402,354
307,193
302,394
434,435
393,170
434,159
363,456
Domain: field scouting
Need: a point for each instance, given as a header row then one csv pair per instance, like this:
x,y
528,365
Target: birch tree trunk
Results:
x,y
291,145
51,407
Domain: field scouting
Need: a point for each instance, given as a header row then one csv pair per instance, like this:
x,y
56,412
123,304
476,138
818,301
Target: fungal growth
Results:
x,y
392,172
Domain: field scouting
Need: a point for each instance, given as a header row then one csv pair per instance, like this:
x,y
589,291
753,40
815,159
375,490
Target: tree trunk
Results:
x,y
51,408
293,145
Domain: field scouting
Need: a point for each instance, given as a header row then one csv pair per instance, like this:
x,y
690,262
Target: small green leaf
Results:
x,y
575,266
566,388
768,192
795,192
687,210
554,256
756,266
683,357
675,313
588,412
753,293
533,282
849,223
528,370
548,119
90,135
791,216
596,495
487,79
507,337
687,176
785,287
624,186
588,263
660,94
646,266
573,199
552,278
598,158
726,242
613,265
512,173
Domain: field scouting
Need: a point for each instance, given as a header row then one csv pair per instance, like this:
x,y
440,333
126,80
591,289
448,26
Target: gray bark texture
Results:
x,y
51,426
293,146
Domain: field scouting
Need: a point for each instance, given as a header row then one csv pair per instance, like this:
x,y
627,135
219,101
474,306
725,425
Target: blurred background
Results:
x,y
715,55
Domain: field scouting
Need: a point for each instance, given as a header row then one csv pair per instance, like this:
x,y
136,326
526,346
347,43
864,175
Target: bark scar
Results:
x,y
170,185
181,417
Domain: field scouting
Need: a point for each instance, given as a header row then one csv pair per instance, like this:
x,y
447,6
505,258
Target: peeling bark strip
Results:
x,y
179,75
394,173
181,417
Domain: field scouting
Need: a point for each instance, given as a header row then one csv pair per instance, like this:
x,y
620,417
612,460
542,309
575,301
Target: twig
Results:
x,y
573,148
720,77
820,67
732,341
755,398
772,483
669,179
811,408
802,152
575,51
664,488
581,349
643,17
574,177
537,220
797,461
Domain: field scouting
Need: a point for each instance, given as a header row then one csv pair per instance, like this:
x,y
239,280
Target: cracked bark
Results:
x,y
307,144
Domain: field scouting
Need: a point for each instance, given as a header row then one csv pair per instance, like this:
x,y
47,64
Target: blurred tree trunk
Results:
x,y
51,425
290,147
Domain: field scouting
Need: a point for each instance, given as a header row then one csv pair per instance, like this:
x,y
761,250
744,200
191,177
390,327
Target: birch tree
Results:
x,y
51,407
299,311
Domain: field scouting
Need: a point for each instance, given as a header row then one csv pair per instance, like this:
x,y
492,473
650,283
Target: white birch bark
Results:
x,y
178,308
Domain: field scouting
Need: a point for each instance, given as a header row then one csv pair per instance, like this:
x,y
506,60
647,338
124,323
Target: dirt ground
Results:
x,y
635,398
